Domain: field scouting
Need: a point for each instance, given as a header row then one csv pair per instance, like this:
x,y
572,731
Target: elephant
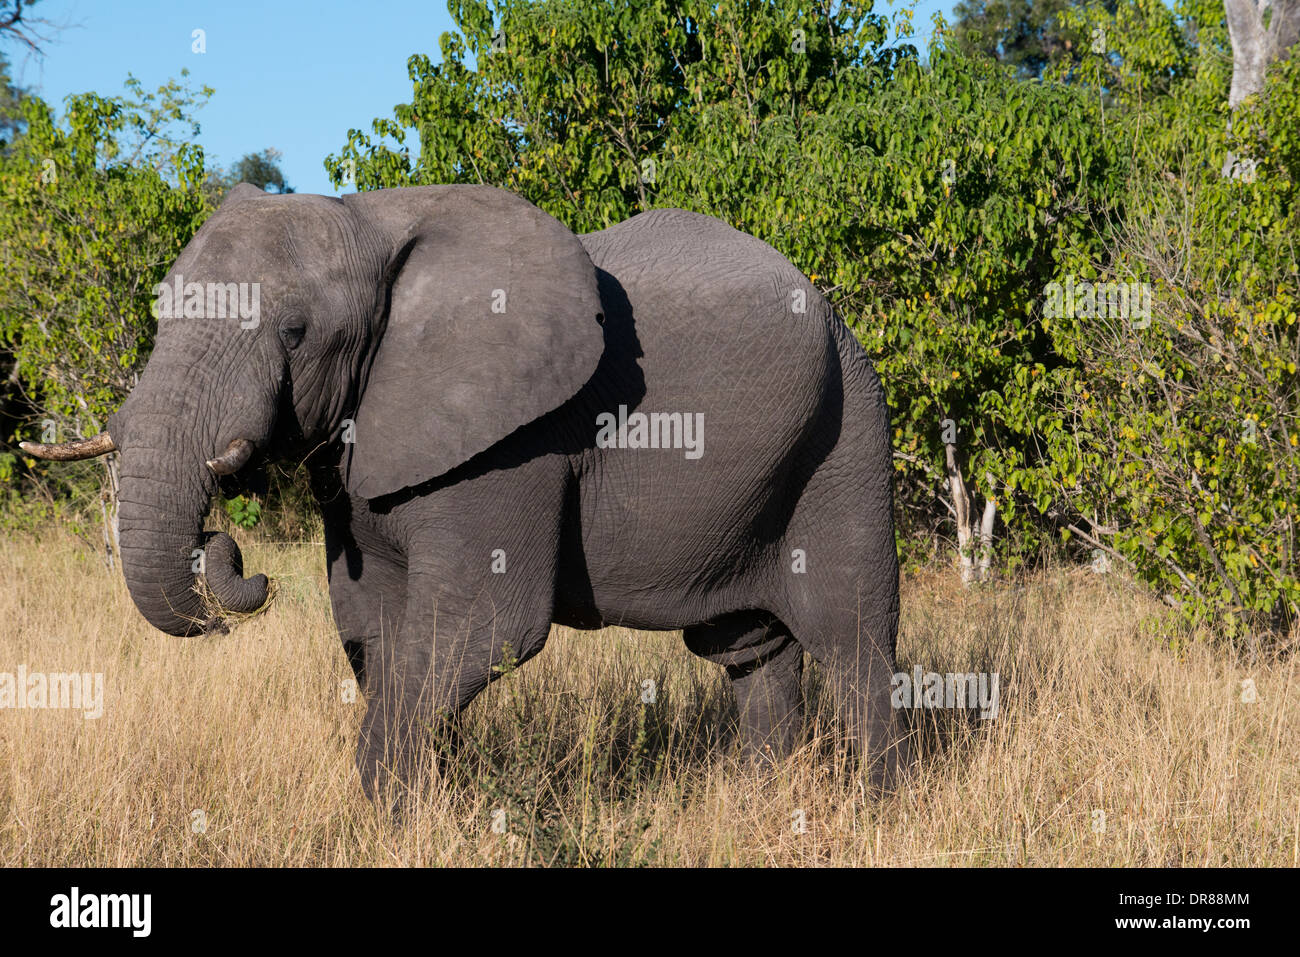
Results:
x,y
661,425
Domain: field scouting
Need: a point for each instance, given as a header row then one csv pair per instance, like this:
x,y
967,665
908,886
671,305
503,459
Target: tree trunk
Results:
x,y
108,509
974,536
1261,31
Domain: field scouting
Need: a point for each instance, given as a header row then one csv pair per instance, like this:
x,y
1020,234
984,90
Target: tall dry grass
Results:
x,y
1103,708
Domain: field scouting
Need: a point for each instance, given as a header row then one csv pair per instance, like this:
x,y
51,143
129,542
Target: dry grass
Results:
x,y
1100,710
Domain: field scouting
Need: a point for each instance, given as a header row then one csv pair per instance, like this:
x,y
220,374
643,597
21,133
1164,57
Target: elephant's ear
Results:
x,y
492,321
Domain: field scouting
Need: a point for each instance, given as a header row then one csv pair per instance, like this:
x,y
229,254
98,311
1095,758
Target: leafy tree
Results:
x,y
1024,34
10,97
259,169
1189,429
93,210
574,104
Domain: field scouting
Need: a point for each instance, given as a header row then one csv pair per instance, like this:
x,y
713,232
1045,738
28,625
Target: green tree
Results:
x,y
1024,34
10,97
574,104
258,169
93,210
1189,431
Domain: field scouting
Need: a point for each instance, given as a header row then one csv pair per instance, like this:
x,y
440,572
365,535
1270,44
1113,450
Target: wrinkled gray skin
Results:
x,y
473,442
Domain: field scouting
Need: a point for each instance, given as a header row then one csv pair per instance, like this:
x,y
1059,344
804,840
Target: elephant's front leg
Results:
x,y
480,588
406,701
367,572
448,649
368,597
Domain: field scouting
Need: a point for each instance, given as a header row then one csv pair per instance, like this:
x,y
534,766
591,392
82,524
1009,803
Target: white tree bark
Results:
x,y
1260,31
986,532
108,509
974,536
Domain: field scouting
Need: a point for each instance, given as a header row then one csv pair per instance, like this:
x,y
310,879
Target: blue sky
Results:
x,y
290,74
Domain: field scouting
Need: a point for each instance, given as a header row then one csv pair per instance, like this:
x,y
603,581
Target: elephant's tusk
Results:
x,y
233,459
71,451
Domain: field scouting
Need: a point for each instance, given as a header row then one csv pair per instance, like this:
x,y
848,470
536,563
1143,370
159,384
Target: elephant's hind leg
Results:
x,y
848,623
840,577
765,665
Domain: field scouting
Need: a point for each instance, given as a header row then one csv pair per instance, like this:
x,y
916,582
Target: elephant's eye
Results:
x,y
291,333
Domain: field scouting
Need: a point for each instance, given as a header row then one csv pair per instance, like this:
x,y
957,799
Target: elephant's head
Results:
x,y
420,326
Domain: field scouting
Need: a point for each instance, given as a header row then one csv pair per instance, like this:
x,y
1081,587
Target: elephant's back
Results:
x,y
692,281
690,258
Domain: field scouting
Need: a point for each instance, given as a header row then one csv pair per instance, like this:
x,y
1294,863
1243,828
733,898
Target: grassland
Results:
x,y
237,749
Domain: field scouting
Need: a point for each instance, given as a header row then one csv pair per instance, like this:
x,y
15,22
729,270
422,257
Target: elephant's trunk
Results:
x,y
160,531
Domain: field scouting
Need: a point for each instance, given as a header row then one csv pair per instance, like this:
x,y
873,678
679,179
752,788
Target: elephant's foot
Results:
x,y
398,755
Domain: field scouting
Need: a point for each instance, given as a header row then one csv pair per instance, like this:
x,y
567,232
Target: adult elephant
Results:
x,y
661,425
